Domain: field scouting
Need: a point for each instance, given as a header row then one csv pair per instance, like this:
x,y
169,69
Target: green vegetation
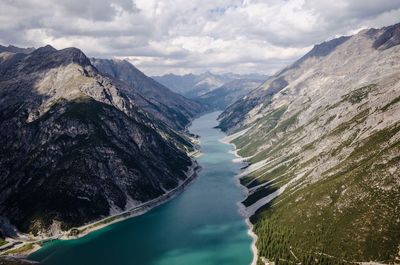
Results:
x,y
272,119
107,220
356,96
21,250
321,222
391,103
267,125
268,129
276,245
285,124
357,119
350,214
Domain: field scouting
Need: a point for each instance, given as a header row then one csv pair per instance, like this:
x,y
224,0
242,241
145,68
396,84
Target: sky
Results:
x,y
191,36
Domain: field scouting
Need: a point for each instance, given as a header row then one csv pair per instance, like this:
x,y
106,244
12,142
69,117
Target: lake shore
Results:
x,y
24,248
200,226
242,209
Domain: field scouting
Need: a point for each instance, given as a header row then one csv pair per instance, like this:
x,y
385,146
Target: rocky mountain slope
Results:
x,y
172,108
76,145
194,86
323,141
14,49
228,93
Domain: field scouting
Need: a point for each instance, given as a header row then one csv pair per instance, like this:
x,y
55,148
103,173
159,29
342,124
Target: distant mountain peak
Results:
x,y
15,49
194,86
48,57
326,47
45,49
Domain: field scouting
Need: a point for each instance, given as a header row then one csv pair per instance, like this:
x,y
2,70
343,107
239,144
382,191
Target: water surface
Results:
x,y
201,226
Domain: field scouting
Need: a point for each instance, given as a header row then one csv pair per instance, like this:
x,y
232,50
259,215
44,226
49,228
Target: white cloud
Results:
x,y
161,36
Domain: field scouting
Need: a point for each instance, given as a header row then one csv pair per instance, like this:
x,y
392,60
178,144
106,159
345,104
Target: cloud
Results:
x,y
162,36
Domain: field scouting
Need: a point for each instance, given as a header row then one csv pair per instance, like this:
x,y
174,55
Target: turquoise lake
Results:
x,y
202,226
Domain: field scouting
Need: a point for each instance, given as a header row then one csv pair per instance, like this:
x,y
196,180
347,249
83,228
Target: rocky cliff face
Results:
x,y
76,145
323,141
172,108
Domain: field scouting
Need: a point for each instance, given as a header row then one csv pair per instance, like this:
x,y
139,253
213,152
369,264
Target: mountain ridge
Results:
x,y
177,109
71,134
322,141
194,86
228,93
15,49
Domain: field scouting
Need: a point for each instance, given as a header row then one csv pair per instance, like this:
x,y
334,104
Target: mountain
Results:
x,y
228,93
76,145
190,85
14,49
322,138
194,86
172,108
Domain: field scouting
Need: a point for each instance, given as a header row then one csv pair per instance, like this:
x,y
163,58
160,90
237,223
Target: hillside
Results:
x,y
322,138
172,108
79,145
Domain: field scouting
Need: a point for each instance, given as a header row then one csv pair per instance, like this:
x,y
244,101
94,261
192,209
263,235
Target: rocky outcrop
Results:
x,y
76,145
323,141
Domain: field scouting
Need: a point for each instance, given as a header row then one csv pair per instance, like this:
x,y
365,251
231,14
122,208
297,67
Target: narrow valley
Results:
x,y
202,226
171,132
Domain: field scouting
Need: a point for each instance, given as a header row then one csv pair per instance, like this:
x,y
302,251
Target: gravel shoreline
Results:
x,y
242,208
78,232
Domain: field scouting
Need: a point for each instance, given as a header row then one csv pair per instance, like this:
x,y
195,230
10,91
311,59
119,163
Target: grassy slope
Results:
x,y
351,214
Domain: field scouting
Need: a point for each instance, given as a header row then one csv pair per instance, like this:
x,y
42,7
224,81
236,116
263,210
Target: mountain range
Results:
x,y
83,139
322,139
14,49
196,86
221,97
